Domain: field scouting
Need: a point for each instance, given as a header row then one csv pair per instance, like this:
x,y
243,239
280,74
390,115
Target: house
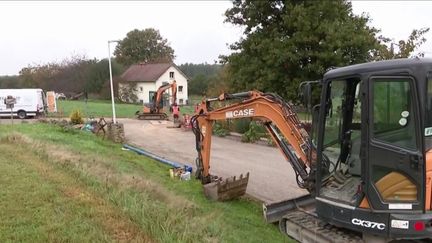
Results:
x,y
146,78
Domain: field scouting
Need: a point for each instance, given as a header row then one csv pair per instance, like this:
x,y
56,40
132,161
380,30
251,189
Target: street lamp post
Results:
x,y
111,81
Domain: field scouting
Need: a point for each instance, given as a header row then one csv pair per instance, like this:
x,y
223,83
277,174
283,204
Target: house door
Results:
x,y
152,96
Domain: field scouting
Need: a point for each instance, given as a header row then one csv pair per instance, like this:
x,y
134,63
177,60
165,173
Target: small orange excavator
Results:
x,y
366,161
154,110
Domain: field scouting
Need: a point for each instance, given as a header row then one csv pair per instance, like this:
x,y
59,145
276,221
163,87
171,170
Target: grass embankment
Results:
x,y
103,108
66,185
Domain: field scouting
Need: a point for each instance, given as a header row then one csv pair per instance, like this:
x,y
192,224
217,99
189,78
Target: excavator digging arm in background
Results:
x,y
161,91
155,110
279,119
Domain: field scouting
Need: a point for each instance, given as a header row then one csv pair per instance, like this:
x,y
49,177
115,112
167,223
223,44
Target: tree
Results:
x,y
127,93
200,75
286,42
10,82
193,70
97,74
198,85
404,48
218,83
72,75
143,46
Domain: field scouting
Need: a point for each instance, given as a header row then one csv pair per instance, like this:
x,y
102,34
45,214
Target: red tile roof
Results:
x,y
145,72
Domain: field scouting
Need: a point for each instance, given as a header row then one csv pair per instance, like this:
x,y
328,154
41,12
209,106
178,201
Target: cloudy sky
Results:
x,y
40,32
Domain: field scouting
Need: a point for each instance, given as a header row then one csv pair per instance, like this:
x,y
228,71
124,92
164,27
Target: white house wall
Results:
x,y
142,90
181,80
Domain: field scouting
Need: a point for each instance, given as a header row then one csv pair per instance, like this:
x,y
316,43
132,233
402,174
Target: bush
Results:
x,y
241,125
69,129
127,93
270,141
253,134
76,117
220,129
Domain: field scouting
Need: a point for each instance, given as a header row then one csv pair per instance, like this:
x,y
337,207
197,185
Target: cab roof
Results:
x,y
403,63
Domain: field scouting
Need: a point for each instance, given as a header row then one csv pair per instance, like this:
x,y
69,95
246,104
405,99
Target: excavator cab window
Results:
x,y
394,125
341,144
393,113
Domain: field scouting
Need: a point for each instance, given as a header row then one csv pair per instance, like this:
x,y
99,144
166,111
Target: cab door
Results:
x,y
394,171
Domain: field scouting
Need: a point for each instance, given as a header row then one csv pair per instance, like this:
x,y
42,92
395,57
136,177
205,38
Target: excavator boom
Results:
x,y
280,121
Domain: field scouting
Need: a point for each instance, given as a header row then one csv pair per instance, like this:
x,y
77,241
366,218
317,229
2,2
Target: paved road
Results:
x,y
271,178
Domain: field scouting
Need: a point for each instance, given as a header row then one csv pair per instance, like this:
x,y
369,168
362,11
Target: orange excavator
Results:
x,y
154,110
366,159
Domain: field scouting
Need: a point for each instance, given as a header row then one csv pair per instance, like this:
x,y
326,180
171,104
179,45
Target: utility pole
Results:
x,y
111,81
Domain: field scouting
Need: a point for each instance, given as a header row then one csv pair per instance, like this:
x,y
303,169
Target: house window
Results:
x,y
180,89
171,74
181,101
165,83
141,89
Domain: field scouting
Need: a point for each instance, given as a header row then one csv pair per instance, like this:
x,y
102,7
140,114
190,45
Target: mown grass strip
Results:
x,y
164,209
40,204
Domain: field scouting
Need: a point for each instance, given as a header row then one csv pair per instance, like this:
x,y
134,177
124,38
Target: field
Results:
x,y
102,108
64,185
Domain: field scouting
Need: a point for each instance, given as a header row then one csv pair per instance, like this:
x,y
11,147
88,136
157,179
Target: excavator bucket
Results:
x,y
224,190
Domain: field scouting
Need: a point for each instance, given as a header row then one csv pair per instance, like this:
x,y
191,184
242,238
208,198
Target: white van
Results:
x,y
29,102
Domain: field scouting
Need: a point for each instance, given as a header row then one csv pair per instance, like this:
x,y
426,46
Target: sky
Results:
x,y
40,32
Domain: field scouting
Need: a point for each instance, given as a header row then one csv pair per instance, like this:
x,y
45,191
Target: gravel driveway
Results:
x,y
271,177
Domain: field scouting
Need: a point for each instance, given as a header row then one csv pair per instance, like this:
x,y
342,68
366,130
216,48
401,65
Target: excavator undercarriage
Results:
x,y
151,116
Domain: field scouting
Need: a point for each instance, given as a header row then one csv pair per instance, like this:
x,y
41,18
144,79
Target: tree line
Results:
x,y
287,42
77,74
82,75
283,43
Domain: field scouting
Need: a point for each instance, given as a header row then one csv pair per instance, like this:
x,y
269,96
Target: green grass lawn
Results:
x,y
70,186
102,108
96,108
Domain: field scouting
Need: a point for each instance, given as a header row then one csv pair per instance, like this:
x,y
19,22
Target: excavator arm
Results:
x,y
278,117
159,93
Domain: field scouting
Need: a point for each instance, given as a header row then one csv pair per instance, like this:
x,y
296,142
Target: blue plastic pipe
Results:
x,y
160,159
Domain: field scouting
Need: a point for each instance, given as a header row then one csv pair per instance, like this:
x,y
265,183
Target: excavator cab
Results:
x,y
374,168
366,159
